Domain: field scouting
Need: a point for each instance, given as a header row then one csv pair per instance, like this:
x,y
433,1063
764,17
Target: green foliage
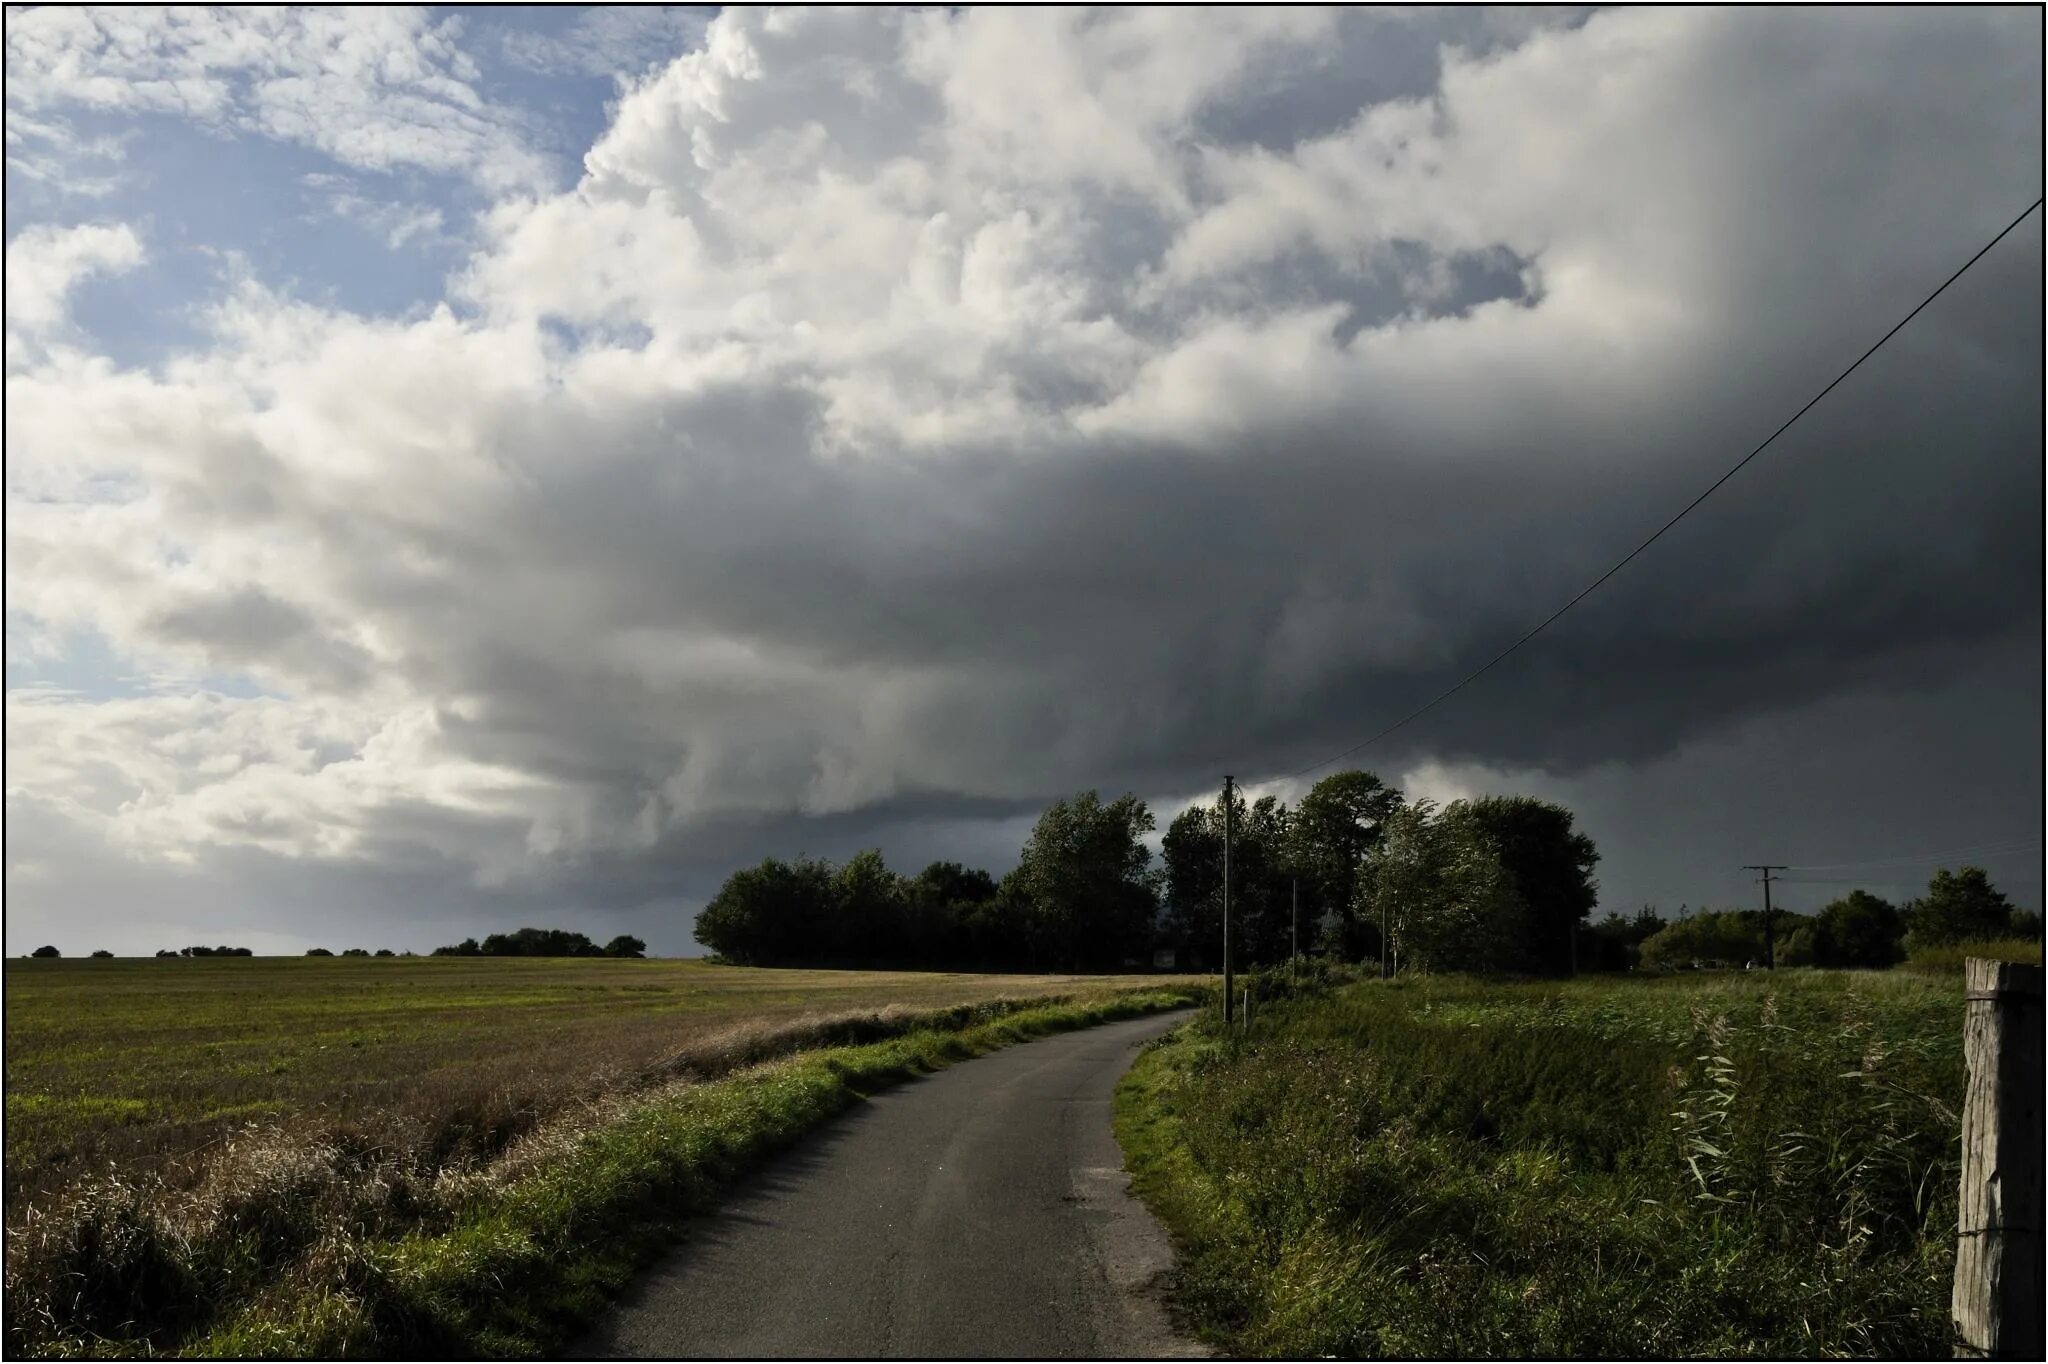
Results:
x,y
1960,906
625,945
1549,868
46,951
1858,930
1336,829
779,913
311,952
1707,937
1615,943
1082,883
1438,883
1263,867
1643,1167
101,954
1948,959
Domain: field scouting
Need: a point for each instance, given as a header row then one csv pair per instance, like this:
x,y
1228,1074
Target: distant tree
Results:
x,y
1266,858
318,952
776,914
355,952
1960,906
46,951
197,952
1615,943
2026,924
1448,899
1858,930
867,924
951,919
1335,828
165,952
1082,883
468,947
1550,866
102,953
1711,937
384,952
625,945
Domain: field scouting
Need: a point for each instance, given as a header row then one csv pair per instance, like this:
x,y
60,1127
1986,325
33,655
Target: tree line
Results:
x,y
1500,883
541,942
1859,930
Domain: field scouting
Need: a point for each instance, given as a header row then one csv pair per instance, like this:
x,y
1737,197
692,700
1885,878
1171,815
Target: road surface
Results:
x,y
982,1211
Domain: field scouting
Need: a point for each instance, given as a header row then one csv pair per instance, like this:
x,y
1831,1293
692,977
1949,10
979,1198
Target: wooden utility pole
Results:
x,y
1293,921
1997,1303
1227,977
1770,943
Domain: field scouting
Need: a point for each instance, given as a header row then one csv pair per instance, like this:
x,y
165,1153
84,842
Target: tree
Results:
x,y
1335,829
1731,937
1265,861
1082,882
384,952
1961,906
775,914
102,953
355,952
1858,930
866,925
951,919
46,951
1615,943
1192,858
1551,869
625,945
311,952
165,952
1448,899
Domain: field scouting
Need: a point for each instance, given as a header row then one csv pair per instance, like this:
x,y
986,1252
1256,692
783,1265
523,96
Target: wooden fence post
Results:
x,y
1997,1304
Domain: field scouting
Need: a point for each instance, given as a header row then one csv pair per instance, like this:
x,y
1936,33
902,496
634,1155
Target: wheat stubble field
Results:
x,y
443,1156
133,1062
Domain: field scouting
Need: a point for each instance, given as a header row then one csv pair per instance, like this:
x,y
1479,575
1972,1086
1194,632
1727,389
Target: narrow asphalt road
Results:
x,y
980,1212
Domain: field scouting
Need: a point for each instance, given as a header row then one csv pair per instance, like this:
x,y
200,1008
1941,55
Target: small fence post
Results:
x,y
1997,1304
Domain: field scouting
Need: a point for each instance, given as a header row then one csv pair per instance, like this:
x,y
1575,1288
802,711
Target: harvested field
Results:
x,y
143,1064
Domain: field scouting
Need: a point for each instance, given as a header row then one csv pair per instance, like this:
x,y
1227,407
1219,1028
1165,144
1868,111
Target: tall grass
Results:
x,y
1948,959
327,1246
1618,1168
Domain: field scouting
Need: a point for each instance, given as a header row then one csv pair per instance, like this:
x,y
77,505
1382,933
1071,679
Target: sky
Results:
x,y
467,469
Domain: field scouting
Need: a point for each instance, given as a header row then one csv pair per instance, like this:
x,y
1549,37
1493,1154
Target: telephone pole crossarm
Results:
x,y
1770,942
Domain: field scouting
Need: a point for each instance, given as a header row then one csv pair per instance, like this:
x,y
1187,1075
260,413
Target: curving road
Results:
x,y
982,1211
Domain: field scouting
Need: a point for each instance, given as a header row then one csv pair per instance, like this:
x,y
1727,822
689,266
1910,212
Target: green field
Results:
x,y
141,1062
1738,1165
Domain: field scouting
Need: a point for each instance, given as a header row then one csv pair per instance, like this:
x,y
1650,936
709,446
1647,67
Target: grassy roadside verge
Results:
x,y
507,1260
1619,1168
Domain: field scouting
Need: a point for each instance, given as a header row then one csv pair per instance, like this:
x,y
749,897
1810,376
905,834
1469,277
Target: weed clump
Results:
x,y
1609,1168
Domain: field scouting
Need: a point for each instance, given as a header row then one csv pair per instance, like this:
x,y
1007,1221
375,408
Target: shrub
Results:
x,y
46,951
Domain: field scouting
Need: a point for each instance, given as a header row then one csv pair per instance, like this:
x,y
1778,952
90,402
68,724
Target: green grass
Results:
x,y
1948,960
1606,1167
328,1249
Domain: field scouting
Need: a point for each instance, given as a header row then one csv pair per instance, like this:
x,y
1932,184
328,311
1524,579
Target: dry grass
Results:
x,y
470,1230
151,1067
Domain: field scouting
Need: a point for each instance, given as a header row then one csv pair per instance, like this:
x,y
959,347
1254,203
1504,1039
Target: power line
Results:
x,y
1588,590
2007,848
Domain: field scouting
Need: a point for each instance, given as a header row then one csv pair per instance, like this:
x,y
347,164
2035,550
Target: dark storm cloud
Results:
x,y
1190,420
